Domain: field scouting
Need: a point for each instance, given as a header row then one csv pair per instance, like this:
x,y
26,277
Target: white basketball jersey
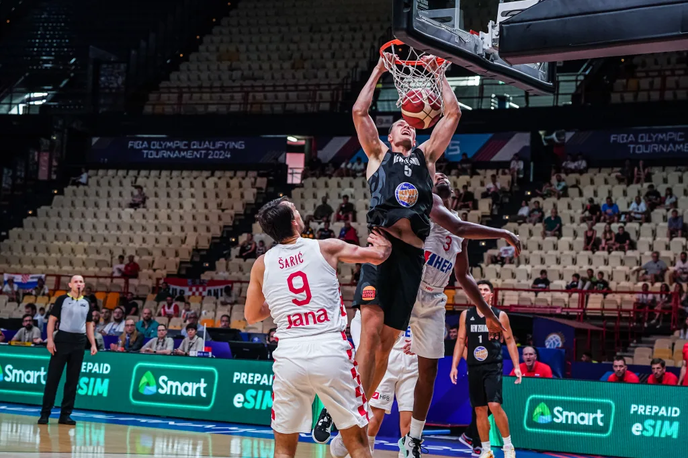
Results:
x,y
302,291
441,248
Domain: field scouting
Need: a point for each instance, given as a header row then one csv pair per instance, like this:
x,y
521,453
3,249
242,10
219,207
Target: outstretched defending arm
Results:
x,y
336,250
471,231
256,308
365,126
446,127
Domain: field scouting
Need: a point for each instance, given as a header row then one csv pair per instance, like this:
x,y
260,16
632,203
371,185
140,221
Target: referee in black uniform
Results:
x,y
73,312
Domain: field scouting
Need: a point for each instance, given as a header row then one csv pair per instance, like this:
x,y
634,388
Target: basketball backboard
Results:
x,y
466,33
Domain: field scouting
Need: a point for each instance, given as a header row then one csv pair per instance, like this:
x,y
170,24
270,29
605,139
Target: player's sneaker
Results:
x,y
465,440
509,452
486,454
476,452
323,428
337,447
411,447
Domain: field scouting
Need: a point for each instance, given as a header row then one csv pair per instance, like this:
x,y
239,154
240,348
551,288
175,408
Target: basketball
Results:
x,y
421,108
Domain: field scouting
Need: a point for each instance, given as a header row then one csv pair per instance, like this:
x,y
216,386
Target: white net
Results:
x,y
416,74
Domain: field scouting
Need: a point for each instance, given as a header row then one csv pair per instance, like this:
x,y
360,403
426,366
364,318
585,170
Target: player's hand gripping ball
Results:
x,y
421,108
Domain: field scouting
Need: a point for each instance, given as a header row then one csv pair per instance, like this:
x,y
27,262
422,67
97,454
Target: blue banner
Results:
x,y
196,151
638,143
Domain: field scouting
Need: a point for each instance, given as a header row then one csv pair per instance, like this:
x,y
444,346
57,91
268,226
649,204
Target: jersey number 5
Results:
x,y
304,289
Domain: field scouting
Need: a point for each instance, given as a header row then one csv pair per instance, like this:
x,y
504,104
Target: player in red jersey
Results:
x,y
659,374
531,367
621,372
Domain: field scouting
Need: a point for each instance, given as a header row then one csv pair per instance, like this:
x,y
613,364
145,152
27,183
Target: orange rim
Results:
x,y
397,42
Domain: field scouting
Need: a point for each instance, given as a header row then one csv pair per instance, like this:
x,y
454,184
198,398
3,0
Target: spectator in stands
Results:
x,y
98,324
587,357
464,216
329,170
261,249
626,173
681,268
669,200
325,232
41,318
683,333
356,274
358,167
28,332
531,367
607,239
622,240
662,302
465,165
91,297
450,340
130,341
523,212
192,318
576,283
638,210
106,318
643,301
621,372
130,306
161,345
568,166
139,198
116,326
493,190
30,309
542,282
132,269
348,234
505,255
323,212
551,227
224,322
674,225
654,269
653,198
660,376
581,165
346,210
314,167
516,171
169,308
228,296
590,240
610,211
163,293
118,269
536,213
147,327
642,174
308,232
186,309
81,180
40,289
466,199
601,284
11,290
247,250
455,200
592,212
271,339
558,189
191,342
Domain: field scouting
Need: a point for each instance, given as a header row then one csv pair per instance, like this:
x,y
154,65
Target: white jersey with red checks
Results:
x,y
441,248
302,291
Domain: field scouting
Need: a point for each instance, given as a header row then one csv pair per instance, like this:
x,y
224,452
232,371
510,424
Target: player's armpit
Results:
x,y
256,308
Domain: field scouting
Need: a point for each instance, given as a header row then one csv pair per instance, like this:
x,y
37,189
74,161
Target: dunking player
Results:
x,y
485,371
296,282
400,182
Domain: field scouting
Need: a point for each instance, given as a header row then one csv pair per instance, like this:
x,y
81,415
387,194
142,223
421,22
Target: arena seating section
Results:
x,y
276,56
653,77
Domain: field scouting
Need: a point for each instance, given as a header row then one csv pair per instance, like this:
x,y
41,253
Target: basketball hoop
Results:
x,y
413,75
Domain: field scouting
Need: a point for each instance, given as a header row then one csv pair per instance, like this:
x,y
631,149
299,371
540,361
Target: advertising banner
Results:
x,y
197,152
196,287
638,143
609,419
231,390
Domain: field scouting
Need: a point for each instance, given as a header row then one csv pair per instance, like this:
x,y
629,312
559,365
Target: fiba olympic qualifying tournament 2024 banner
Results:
x,y
169,150
638,143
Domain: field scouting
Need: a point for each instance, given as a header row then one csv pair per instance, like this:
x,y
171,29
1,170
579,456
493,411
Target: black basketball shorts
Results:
x,y
485,384
393,285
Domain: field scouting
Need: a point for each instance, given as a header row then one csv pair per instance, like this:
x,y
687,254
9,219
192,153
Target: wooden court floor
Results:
x,y
20,436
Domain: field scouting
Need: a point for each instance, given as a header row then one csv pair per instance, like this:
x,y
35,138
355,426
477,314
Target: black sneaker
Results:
x,y
323,428
66,421
43,420
412,447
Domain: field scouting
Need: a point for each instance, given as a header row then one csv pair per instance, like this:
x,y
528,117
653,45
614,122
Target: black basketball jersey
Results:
x,y
480,349
401,188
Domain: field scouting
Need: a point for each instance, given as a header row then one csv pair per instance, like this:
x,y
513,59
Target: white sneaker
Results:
x,y
509,452
337,447
487,454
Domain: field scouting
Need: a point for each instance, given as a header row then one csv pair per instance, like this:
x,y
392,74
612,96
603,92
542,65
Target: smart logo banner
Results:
x,y
598,418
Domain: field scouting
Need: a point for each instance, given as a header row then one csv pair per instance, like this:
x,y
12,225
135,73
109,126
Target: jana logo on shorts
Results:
x,y
406,194
569,415
170,385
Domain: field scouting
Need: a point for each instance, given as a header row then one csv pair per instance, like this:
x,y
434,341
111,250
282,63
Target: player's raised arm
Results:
x,y
365,126
256,308
467,230
511,345
446,127
459,348
338,250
